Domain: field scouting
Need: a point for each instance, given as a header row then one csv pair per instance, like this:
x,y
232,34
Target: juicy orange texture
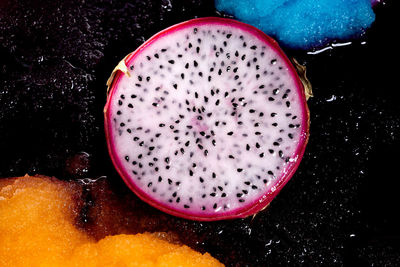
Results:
x,y
37,229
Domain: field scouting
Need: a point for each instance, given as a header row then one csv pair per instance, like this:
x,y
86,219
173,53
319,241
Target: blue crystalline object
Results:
x,y
303,23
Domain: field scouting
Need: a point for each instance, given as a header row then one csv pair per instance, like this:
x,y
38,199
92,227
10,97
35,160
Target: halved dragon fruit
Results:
x,y
207,120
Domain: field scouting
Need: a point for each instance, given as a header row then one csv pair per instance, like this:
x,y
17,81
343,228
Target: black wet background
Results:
x,y
340,208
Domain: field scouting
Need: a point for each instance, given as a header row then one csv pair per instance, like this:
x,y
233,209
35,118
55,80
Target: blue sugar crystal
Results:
x,y
303,23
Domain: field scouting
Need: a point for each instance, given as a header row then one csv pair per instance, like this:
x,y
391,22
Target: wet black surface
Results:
x,y
338,210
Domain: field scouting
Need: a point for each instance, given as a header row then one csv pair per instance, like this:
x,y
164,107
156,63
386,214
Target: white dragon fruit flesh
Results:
x,y
207,120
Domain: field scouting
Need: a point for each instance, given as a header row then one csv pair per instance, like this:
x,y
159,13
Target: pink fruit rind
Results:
x,y
252,207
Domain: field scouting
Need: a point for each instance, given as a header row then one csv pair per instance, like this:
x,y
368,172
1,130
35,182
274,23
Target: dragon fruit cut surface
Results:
x,y
207,120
